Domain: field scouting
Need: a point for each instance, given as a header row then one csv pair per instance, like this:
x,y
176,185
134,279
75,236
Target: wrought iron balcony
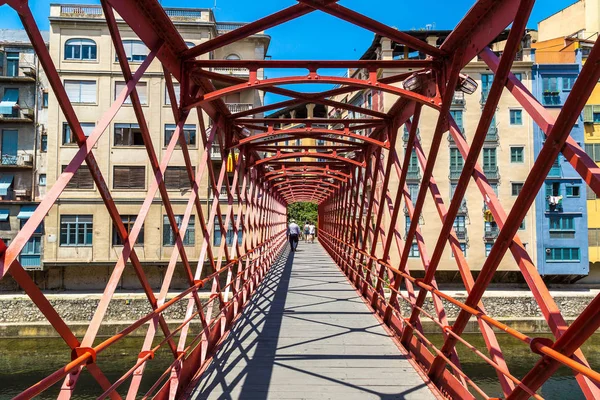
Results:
x,y
492,134
8,159
491,172
463,207
238,107
462,133
458,99
241,72
491,233
461,232
551,99
224,27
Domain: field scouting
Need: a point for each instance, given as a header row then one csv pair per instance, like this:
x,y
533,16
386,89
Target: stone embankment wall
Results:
x,y
19,316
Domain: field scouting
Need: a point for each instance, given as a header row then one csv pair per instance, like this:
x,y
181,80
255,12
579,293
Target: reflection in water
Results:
x,y
23,362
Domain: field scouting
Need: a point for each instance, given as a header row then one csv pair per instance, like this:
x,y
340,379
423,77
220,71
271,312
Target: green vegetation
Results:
x,y
302,212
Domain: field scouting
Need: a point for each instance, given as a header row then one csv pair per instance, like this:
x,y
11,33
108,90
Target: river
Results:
x,y
23,362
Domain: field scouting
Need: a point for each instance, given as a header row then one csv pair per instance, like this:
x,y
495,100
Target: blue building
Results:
x,y
561,211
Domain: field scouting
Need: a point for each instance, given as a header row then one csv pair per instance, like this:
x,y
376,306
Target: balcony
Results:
x,y
76,11
551,99
463,207
413,173
492,135
461,232
215,152
8,159
491,172
238,107
91,11
455,173
491,233
462,133
238,72
458,99
224,27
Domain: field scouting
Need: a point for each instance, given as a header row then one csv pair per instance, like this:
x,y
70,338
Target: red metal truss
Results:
x,y
351,167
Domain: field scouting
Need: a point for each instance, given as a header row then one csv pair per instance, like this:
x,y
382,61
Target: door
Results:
x,y
10,140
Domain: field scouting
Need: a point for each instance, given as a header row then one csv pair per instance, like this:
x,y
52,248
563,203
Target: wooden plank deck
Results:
x,y
307,335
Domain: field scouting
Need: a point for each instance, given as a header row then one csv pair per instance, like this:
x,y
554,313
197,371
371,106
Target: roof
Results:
x,y
19,36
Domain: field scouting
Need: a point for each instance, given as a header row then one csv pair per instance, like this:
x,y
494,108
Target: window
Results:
x,y
486,84
176,178
176,89
129,177
12,63
457,115
135,50
413,192
489,159
552,189
568,82
82,178
45,100
8,105
414,250
590,194
593,150
516,188
76,230
562,227
550,84
80,49
562,254
488,249
230,233
518,75
572,191
44,143
232,57
81,91
406,224
189,44
190,234
142,90
42,180
593,237
68,138
516,154
460,226
463,247
516,117
128,221
128,135
189,132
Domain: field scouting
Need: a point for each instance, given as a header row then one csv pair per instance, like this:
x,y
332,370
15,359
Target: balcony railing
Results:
x,y
463,207
231,71
551,99
81,11
239,107
492,134
223,27
413,174
491,172
462,133
461,232
455,173
215,152
491,233
458,99
23,114
8,159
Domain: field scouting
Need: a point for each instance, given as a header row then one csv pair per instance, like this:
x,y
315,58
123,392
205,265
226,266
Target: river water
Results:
x,y
23,362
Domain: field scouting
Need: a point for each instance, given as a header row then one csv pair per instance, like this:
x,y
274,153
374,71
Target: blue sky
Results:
x,y
317,35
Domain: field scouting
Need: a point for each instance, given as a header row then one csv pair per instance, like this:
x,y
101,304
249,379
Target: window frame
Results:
x,y
128,221
75,182
87,230
81,81
514,185
143,96
128,45
169,130
515,117
189,239
131,178
66,130
134,129
514,150
92,48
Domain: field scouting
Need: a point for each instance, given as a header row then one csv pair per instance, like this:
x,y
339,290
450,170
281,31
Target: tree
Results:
x,y
302,212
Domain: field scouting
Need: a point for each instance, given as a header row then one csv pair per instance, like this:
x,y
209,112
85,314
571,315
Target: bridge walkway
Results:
x,y
308,335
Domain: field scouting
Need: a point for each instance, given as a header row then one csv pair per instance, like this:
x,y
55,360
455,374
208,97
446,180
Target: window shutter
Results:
x,y
137,177
88,91
588,114
172,178
142,89
139,48
88,128
121,178
119,86
72,89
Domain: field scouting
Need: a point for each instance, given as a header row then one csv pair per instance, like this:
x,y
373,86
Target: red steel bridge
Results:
x,y
350,183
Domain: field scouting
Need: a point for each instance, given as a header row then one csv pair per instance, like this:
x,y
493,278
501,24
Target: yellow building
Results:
x,y
506,158
79,232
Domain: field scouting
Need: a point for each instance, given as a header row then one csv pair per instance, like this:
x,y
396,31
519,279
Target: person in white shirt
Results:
x,y
293,234
311,232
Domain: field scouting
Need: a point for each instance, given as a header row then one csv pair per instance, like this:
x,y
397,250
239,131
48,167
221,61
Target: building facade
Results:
x,y
506,158
562,221
23,121
79,231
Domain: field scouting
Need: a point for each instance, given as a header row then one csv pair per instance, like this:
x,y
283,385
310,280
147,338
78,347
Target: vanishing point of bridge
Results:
x,y
327,321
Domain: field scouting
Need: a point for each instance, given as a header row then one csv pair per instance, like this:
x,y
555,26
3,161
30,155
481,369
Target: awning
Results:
x,y
5,182
4,213
9,101
26,212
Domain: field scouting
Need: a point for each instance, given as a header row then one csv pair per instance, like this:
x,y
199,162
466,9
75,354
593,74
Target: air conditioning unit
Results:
x,y
25,159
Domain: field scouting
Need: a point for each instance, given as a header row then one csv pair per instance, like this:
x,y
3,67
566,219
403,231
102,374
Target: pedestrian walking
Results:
x,y
306,231
293,234
311,232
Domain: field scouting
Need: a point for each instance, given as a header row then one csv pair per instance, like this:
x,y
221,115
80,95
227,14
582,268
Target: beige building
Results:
x,y
79,233
580,20
506,158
